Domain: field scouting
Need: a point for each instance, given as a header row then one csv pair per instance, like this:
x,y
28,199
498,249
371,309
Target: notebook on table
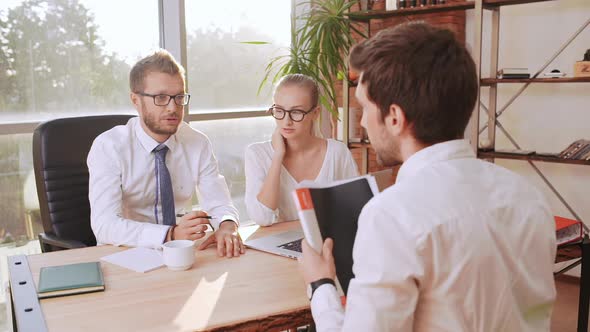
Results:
x,y
70,279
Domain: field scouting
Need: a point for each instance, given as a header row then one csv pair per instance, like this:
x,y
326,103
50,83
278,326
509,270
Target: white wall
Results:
x,y
546,117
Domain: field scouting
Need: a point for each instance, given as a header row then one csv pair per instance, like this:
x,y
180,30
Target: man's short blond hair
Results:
x,y
160,61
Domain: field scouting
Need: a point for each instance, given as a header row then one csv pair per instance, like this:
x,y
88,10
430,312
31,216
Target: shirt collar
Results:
x,y
449,150
148,143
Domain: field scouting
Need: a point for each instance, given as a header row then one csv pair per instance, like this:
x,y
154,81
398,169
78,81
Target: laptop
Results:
x,y
287,244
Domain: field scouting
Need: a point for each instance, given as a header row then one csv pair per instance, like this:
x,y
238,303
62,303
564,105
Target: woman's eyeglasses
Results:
x,y
296,115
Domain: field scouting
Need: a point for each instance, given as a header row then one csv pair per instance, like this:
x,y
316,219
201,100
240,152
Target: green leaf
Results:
x,y
255,42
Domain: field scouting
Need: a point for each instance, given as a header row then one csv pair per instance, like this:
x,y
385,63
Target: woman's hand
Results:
x,y
278,143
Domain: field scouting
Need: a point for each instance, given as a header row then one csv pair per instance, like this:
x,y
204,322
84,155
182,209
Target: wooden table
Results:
x,y
255,292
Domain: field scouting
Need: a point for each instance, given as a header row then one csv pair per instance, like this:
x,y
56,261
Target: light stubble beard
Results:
x,y
152,124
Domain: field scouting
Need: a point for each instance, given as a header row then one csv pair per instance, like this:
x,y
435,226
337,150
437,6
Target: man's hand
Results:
x,y
190,227
314,266
229,243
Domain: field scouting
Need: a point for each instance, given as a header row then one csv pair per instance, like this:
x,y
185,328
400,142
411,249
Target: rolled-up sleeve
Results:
x,y
212,190
255,177
105,196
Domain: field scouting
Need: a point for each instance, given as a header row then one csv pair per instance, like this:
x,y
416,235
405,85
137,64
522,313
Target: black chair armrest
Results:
x,y
54,240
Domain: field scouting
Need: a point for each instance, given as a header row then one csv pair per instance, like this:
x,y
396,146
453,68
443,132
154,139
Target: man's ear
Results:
x,y
395,121
135,100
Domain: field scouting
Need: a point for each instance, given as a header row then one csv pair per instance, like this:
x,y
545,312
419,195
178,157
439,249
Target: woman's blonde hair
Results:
x,y
312,86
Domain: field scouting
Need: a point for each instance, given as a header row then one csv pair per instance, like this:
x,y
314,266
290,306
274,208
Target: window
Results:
x,y
223,72
59,59
230,139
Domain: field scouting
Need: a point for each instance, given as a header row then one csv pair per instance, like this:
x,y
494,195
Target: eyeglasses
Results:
x,y
164,100
295,114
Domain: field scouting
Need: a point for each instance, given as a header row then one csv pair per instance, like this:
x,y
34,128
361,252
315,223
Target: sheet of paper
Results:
x,y
137,259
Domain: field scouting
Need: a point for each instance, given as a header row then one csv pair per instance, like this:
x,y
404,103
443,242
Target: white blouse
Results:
x,y
338,165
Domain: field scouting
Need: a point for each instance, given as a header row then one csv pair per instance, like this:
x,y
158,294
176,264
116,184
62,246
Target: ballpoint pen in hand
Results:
x,y
178,215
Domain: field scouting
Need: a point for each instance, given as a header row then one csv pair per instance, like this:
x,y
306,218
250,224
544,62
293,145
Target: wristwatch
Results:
x,y
316,284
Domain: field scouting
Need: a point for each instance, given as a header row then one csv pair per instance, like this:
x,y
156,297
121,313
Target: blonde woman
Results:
x,y
295,153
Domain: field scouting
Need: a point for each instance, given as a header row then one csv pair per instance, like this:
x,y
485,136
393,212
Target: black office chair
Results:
x,y
60,149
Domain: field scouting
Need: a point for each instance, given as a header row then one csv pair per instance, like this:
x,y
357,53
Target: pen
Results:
x,y
178,215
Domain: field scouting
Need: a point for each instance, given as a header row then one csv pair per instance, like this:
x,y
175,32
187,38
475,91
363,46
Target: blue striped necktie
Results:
x,y
164,192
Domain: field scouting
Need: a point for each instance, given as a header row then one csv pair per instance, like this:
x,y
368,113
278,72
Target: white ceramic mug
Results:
x,y
178,254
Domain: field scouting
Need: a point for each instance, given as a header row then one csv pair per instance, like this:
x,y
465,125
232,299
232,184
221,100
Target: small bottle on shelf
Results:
x,y
390,4
423,3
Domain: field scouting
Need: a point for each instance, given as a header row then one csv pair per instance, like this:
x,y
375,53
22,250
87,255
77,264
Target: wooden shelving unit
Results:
x,y
366,16
490,81
498,3
360,145
533,157
579,251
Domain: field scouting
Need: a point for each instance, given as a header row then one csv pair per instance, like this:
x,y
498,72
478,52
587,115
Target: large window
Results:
x,y
69,57
230,139
61,58
223,72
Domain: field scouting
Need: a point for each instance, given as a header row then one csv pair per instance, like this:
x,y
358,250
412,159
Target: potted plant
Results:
x,y
319,48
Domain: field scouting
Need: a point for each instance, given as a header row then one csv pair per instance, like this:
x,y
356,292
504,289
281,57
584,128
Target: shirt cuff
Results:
x,y
152,235
325,298
228,217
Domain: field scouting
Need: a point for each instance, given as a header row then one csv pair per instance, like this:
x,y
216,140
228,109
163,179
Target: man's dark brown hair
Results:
x,y
425,71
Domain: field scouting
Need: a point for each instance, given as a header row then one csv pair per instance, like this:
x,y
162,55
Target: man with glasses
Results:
x,y
143,174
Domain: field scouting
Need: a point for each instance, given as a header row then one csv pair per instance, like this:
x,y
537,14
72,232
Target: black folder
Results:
x,y
337,209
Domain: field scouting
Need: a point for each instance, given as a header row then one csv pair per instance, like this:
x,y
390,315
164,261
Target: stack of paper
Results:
x,y
137,259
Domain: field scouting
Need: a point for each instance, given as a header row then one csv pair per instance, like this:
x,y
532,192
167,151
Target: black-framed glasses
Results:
x,y
296,115
164,100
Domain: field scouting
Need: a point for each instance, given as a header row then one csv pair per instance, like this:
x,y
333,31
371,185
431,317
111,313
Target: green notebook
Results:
x,y
70,279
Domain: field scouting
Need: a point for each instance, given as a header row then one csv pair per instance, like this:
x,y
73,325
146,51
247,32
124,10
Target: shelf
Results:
x,y
498,3
532,157
492,81
568,252
359,145
366,16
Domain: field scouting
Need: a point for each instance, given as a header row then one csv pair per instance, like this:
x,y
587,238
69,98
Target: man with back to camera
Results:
x,y
457,244
143,173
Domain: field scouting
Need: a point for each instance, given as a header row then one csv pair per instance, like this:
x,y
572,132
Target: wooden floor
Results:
x,y
565,312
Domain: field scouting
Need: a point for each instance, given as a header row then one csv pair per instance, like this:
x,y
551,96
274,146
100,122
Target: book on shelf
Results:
x,y
514,76
582,152
574,148
70,279
511,71
331,210
568,230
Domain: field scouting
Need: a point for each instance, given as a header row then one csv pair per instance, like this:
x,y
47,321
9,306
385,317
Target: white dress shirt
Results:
x,y
457,244
338,165
122,185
